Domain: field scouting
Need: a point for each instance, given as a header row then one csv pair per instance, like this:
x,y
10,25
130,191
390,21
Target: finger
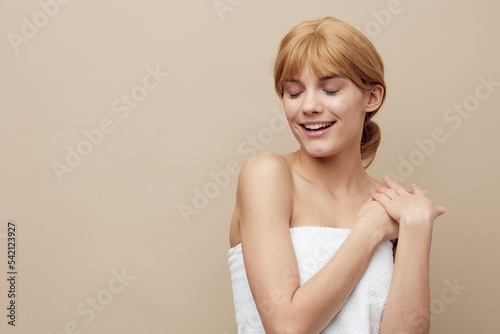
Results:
x,y
440,210
410,191
416,190
381,198
391,183
391,194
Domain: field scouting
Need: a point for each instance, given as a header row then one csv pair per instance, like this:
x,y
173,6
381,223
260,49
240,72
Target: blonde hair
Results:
x,y
331,46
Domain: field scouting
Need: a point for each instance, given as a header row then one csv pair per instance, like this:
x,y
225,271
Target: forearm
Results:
x,y
408,305
314,304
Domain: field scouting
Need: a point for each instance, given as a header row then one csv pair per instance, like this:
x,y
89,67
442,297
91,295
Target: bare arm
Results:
x,y
408,306
265,205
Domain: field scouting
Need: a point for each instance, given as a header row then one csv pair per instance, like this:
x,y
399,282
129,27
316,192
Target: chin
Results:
x,y
319,152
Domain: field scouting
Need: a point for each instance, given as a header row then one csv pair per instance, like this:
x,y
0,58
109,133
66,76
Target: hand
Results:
x,y
406,206
373,216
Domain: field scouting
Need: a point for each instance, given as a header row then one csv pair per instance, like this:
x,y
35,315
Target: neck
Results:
x,y
343,173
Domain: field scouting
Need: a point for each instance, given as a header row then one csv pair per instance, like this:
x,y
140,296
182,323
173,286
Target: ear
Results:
x,y
375,98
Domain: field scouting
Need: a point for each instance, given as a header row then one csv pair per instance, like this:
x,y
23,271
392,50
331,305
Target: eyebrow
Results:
x,y
328,77
325,78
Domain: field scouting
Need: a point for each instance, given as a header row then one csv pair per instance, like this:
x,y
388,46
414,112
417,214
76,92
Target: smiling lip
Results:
x,y
317,128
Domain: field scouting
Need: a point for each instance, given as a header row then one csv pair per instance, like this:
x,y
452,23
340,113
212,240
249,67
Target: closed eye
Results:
x,y
331,93
294,96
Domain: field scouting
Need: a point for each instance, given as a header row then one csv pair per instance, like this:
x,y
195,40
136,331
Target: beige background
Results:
x,y
118,209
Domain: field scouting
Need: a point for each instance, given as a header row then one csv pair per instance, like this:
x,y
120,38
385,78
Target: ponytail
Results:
x,y
370,141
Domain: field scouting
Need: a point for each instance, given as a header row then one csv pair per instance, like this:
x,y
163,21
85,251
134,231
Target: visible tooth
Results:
x,y
316,126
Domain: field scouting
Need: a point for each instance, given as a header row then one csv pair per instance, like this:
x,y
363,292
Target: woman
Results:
x,y
311,231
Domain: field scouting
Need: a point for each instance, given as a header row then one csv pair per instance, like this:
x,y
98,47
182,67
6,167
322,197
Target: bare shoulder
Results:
x,y
266,175
264,195
265,166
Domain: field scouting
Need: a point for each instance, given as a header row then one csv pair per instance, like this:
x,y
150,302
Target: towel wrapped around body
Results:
x,y
314,246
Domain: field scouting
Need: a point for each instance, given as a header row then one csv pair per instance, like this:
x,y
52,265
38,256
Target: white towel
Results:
x,y
314,246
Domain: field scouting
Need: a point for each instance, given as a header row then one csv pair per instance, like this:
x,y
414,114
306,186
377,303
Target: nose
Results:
x,y
312,104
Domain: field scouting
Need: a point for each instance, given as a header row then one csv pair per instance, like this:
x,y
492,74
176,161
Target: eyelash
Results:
x,y
332,93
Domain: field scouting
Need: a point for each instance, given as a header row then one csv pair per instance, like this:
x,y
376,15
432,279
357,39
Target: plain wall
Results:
x,y
116,211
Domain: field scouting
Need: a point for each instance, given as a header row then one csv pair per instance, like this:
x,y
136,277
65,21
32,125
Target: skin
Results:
x,y
324,184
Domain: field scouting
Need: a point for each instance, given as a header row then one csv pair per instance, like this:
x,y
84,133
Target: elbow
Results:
x,y
280,325
284,328
416,323
420,321
283,318
406,329
288,325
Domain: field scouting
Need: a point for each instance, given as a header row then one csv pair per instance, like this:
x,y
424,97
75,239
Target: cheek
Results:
x,y
291,109
346,107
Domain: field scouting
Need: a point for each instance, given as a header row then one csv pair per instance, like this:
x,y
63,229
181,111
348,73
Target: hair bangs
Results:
x,y
316,50
325,60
